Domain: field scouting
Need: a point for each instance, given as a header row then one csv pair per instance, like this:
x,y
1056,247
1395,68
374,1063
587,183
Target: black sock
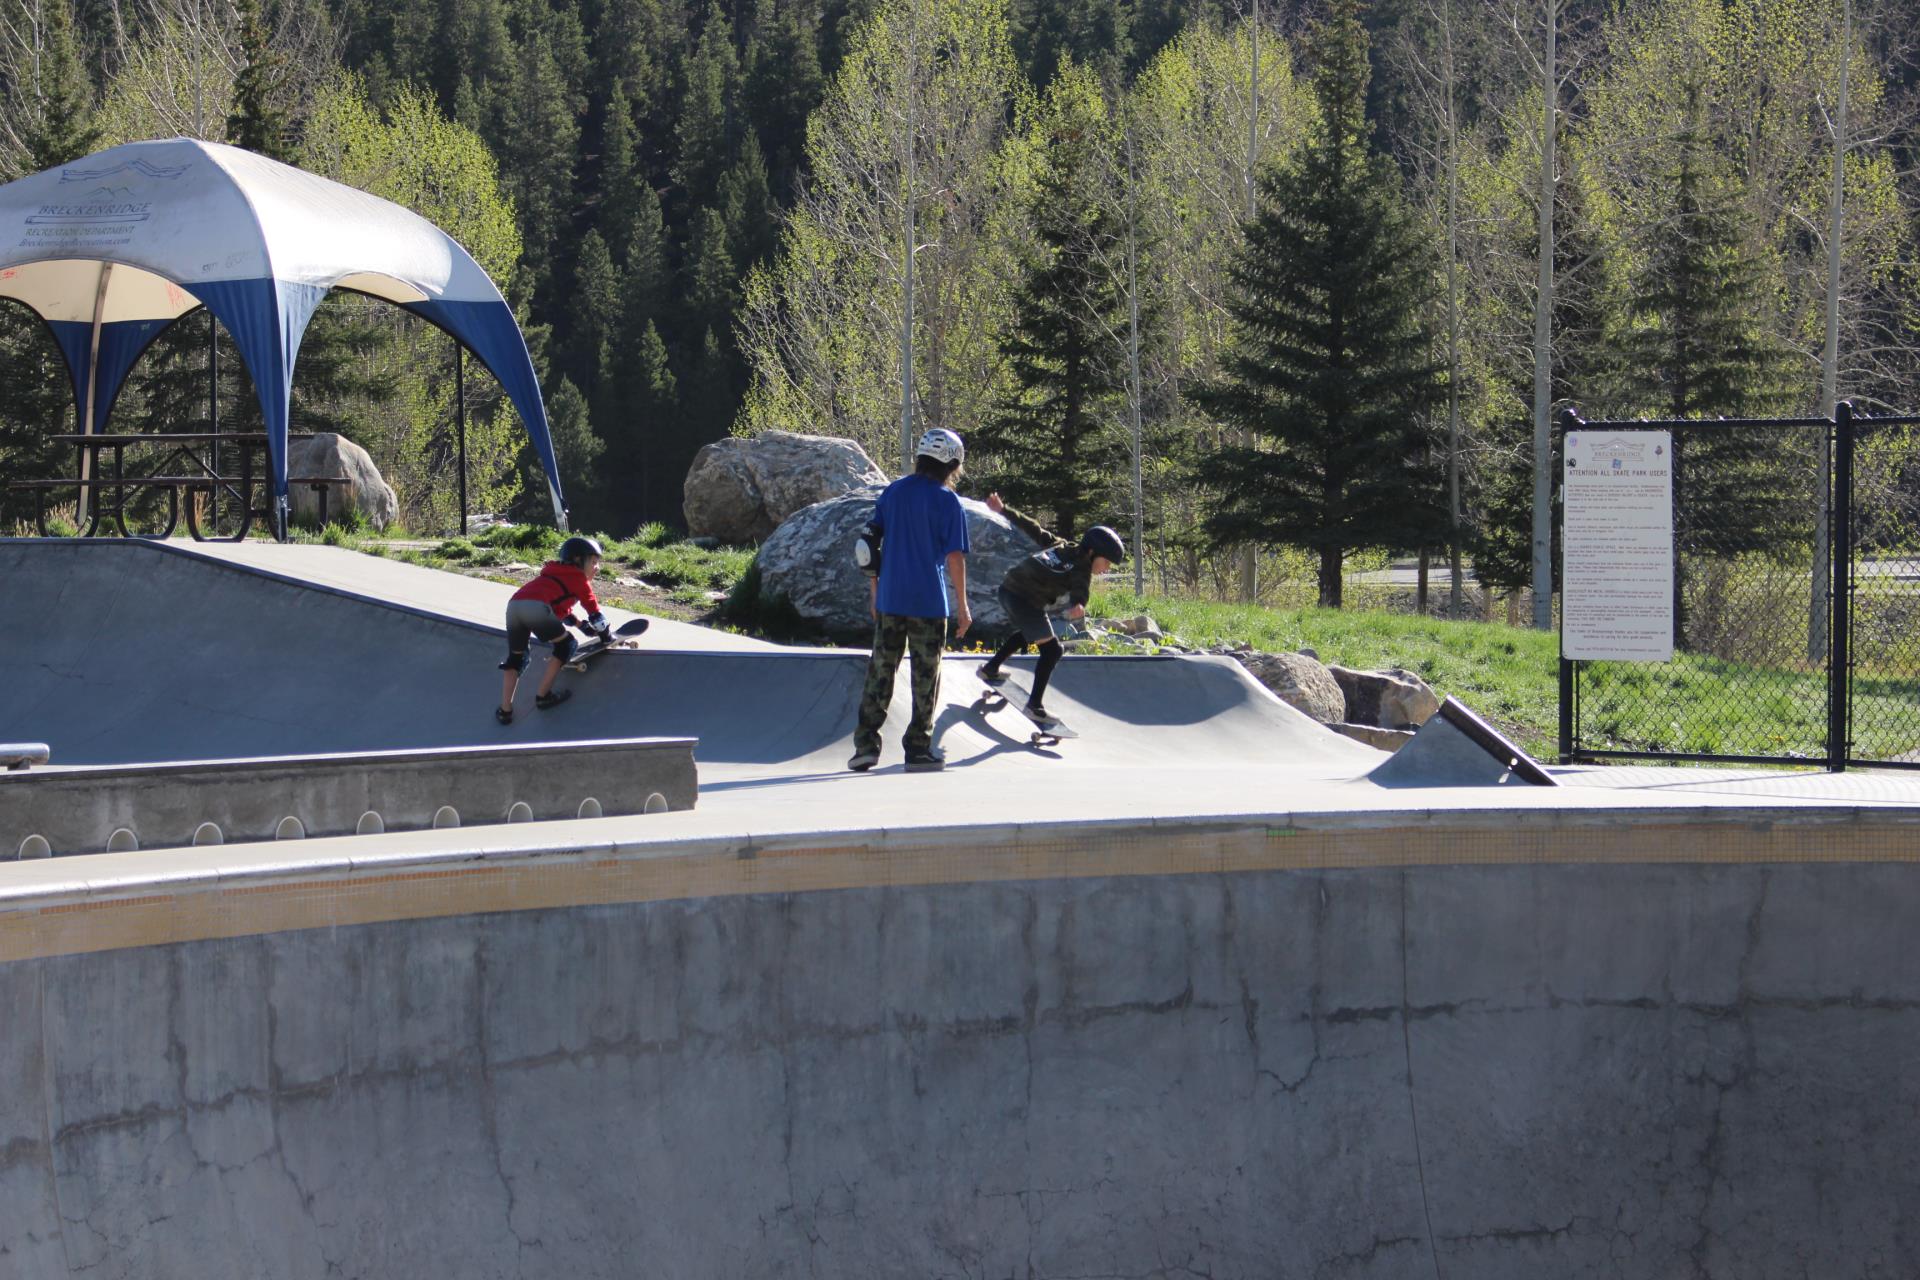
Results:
x,y
1008,647
1050,655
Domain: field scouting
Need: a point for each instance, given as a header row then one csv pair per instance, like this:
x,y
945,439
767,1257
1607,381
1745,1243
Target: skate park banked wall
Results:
x,y
1550,1039
1375,1045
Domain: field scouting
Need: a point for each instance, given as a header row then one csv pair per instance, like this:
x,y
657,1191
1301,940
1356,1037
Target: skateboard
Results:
x,y
625,636
992,699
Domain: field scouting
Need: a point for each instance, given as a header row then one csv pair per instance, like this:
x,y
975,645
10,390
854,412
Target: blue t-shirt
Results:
x,y
921,522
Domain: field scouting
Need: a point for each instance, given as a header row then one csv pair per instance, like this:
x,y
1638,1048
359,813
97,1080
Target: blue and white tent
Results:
x,y
110,250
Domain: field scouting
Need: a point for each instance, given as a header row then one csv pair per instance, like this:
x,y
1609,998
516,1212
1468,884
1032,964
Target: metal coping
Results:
x,y
409,755
1495,743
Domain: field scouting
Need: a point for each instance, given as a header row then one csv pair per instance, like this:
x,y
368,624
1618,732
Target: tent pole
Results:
x,y
213,406
93,375
460,400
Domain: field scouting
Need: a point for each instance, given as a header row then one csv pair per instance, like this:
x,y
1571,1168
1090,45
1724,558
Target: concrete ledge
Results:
x,y
116,902
123,808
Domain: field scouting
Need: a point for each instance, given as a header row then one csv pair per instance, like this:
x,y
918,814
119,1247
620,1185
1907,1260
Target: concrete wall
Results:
x,y
169,805
1458,1071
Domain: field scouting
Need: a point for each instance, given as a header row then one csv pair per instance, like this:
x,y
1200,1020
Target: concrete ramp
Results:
x,y
169,653
1456,748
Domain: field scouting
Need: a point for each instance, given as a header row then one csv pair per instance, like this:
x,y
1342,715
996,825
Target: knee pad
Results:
x,y
515,662
563,647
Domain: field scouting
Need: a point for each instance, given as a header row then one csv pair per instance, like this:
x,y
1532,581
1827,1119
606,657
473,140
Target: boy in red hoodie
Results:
x,y
539,608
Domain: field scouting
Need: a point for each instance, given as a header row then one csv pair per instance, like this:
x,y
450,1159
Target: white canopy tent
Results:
x,y
110,250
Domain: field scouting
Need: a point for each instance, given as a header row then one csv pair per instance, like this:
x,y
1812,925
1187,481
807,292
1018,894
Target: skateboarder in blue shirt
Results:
x,y
922,530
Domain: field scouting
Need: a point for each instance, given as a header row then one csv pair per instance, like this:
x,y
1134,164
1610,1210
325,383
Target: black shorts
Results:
x,y
1029,619
530,617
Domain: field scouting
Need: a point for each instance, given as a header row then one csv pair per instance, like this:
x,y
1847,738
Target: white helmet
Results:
x,y
941,445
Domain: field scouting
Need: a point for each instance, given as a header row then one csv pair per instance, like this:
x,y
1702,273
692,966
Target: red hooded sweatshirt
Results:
x,y
559,586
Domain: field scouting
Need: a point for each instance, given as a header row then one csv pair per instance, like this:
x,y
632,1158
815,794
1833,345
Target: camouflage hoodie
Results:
x,y
1054,579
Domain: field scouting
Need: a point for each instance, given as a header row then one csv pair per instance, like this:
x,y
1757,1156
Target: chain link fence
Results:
x,y
1783,652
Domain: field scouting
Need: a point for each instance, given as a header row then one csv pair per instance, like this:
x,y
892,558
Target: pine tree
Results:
x,y
59,126
705,135
747,207
536,143
1331,377
1701,349
709,391
639,413
643,252
1056,446
620,176
711,280
784,85
257,121
627,35
577,449
595,313
1092,33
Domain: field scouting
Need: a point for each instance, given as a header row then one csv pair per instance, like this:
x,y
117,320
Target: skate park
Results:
x,y
313,969
1189,994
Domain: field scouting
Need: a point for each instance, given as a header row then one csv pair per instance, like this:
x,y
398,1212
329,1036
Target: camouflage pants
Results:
x,y
924,638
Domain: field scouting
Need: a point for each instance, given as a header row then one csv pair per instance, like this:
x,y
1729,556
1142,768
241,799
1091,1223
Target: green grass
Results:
x,y
1696,703
1510,675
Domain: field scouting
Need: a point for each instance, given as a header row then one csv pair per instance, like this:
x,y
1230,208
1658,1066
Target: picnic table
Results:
x,y
105,495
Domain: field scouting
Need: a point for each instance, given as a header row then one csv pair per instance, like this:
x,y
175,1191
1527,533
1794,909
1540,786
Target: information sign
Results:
x,y
1617,540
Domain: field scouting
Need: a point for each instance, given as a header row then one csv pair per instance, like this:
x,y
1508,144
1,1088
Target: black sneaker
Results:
x,y
928,761
548,701
1038,714
990,678
503,714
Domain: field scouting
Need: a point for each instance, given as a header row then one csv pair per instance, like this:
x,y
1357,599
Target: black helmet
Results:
x,y
1102,541
576,549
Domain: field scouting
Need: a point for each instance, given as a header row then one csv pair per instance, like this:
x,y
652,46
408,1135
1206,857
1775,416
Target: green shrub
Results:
x,y
768,614
653,534
455,549
522,537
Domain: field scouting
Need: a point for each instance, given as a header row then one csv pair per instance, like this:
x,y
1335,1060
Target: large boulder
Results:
x,y
327,454
741,488
809,560
1393,699
1301,682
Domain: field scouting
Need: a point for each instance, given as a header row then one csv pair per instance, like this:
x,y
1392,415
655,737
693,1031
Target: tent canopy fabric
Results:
x,y
111,249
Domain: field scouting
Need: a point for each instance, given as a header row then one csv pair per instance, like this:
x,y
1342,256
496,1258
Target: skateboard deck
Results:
x,y
993,698
625,636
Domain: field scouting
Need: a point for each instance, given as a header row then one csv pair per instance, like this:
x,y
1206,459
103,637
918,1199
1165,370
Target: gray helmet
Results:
x,y
1102,541
576,549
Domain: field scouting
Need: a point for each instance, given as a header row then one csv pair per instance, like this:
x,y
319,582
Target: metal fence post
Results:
x,y
1840,593
1569,420
460,397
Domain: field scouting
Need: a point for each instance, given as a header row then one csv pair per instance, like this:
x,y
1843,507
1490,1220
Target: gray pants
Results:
x,y
530,617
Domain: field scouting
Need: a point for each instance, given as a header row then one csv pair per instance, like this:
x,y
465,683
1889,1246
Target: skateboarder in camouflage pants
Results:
x,y
923,529
923,640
